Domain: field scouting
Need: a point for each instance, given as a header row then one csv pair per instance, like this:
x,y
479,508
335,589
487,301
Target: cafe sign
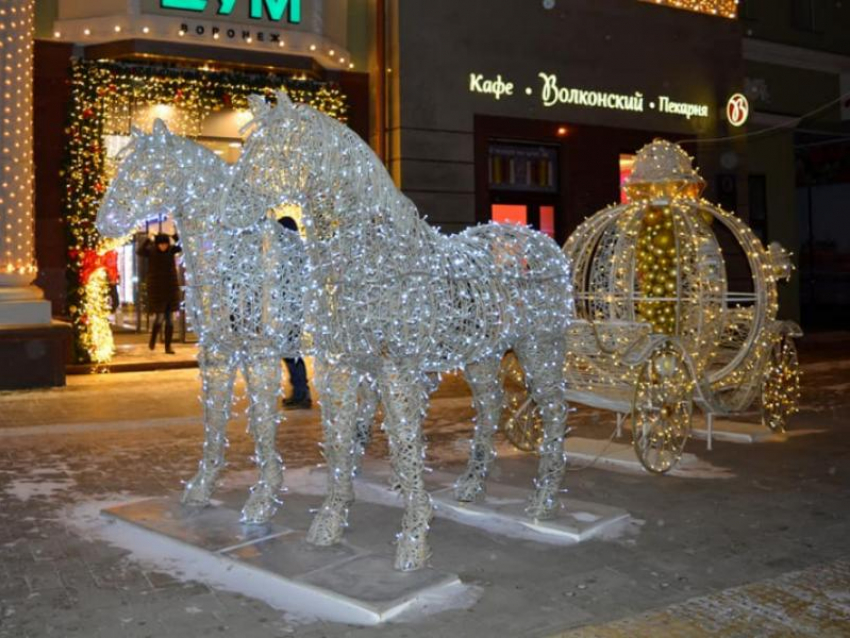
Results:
x,y
550,92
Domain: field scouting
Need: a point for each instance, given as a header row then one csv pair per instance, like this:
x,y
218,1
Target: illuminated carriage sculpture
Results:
x,y
660,325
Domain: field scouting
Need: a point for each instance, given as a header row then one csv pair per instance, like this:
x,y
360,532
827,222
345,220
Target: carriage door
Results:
x,y
523,180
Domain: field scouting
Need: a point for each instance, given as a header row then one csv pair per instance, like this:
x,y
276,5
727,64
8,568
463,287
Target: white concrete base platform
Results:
x,y
604,454
736,431
341,583
502,512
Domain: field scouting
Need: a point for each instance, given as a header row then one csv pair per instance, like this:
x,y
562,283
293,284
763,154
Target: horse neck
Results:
x,y
196,184
374,196
199,237
193,210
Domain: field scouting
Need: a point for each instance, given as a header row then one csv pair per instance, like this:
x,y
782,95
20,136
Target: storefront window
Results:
x,y
547,220
523,167
510,214
627,163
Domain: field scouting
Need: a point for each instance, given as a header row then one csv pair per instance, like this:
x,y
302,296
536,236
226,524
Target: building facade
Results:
x,y
797,61
531,110
512,111
105,67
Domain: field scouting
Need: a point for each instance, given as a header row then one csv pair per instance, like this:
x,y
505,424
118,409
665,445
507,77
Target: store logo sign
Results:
x,y
738,110
259,9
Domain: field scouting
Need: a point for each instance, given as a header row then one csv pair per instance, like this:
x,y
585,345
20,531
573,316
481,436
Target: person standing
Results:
x,y
162,285
300,399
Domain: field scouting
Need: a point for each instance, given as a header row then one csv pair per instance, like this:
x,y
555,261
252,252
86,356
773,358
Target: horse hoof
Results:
x,y
542,507
327,527
199,490
259,509
411,554
469,489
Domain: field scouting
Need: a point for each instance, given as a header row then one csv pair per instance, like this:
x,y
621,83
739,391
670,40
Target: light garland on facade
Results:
x,y
106,96
17,252
724,8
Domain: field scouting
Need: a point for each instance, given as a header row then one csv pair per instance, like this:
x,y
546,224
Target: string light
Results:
x,y
390,300
725,8
17,257
659,319
106,97
244,296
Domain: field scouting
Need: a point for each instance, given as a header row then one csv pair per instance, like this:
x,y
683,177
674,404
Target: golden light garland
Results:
x,y
97,336
17,246
657,269
106,97
724,8
653,299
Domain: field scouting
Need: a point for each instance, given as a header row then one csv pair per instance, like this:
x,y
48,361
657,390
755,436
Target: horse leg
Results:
x,y
543,363
217,376
262,378
483,379
338,390
405,398
367,406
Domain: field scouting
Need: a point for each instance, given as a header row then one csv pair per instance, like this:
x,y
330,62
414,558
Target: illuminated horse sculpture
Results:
x,y
391,299
244,296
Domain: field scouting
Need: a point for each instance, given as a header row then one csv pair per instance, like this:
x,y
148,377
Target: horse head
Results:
x,y
275,166
153,178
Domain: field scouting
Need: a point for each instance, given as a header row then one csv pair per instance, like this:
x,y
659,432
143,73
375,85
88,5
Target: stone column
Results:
x,y
33,348
21,303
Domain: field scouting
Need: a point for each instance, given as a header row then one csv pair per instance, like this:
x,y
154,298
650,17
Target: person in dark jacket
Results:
x,y
162,285
300,399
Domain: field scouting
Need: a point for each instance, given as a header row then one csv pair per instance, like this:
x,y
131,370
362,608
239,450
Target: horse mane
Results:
x,y
343,150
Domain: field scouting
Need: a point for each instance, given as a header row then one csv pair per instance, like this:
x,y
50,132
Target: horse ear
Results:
x,y
258,105
135,131
160,128
283,99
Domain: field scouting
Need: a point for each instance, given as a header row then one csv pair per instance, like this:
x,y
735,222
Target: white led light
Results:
x,y
244,291
390,302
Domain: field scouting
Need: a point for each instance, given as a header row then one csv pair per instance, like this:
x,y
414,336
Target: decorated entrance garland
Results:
x,y
104,97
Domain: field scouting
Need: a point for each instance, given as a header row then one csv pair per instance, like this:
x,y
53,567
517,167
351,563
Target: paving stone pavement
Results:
x,y
812,602
111,438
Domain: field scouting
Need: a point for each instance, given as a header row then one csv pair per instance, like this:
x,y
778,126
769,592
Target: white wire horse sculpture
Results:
x,y
391,299
244,296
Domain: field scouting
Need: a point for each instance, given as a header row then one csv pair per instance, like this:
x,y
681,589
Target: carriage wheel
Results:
x,y
662,409
521,421
780,390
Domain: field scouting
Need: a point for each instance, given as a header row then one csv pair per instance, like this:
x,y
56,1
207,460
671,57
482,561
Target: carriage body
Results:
x,y
676,304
